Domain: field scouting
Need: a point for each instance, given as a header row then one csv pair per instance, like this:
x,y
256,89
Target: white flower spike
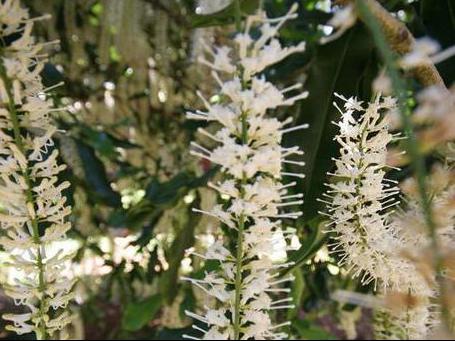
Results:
x,y
34,211
251,157
360,199
360,202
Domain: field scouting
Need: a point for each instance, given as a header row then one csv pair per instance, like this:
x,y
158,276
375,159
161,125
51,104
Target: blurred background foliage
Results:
x,y
130,72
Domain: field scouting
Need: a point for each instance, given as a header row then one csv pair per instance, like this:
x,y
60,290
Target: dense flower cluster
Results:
x,y
360,195
370,238
33,210
251,157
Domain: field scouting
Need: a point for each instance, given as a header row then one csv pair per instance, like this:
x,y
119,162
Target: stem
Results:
x,y
238,16
239,256
412,145
42,332
238,278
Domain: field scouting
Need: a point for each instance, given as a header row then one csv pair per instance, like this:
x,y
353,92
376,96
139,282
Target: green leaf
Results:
x,y
336,67
226,16
51,75
312,243
297,289
167,193
136,216
310,331
137,314
96,177
103,142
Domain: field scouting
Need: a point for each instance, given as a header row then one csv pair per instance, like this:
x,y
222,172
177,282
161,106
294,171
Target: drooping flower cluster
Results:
x,y
250,154
33,210
359,197
359,207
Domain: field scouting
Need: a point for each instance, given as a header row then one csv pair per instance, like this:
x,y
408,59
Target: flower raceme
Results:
x,y
33,211
251,157
360,192
359,200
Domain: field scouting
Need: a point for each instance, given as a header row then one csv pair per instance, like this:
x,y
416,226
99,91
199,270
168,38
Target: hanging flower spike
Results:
x,y
34,211
360,199
251,157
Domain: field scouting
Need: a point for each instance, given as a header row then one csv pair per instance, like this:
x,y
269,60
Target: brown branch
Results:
x,y
401,41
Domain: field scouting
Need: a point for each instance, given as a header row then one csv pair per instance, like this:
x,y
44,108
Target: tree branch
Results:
x,y
401,41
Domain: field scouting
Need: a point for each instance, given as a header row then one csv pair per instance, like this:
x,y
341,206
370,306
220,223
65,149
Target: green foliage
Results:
x,y
308,331
96,180
436,19
158,197
312,242
138,314
169,282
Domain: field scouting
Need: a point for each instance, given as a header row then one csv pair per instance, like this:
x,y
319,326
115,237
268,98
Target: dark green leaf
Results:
x,y
51,75
167,193
137,314
95,176
104,143
158,197
136,216
438,19
297,289
173,334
